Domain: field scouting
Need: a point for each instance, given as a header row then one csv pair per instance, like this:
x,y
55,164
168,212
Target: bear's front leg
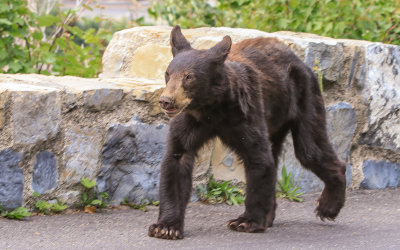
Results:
x,y
175,190
260,171
260,201
185,137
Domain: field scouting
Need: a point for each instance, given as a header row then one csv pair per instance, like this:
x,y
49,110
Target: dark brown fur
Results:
x,y
250,95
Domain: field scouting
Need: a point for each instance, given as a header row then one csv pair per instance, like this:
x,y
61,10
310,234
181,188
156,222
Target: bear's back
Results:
x,y
265,53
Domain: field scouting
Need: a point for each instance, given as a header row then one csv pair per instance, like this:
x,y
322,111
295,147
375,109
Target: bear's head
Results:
x,y
194,78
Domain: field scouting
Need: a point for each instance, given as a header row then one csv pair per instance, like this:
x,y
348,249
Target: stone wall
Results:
x,y
56,130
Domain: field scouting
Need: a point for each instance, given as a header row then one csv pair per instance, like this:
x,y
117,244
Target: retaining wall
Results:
x,y
56,130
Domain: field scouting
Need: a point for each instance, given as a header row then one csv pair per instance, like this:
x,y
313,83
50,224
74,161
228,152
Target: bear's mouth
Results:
x,y
174,111
171,112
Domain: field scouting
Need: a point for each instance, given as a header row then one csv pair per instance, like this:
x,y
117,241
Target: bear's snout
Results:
x,y
166,102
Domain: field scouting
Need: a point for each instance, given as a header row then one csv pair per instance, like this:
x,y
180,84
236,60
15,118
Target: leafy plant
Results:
x,y
46,207
220,192
286,187
90,197
318,70
373,20
56,41
43,207
87,183
58,207
17,214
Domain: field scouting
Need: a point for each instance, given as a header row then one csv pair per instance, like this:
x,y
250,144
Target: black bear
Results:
x,y
250,95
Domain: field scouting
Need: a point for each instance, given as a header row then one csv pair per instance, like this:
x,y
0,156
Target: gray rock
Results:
x,y
102,99
36,116
380,174
70,197
11,179
327,57
341,124
82,149
131,158
45,174
379,82
228,160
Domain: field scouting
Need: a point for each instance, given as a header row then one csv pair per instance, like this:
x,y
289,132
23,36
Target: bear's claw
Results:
x,y
244,225
163,231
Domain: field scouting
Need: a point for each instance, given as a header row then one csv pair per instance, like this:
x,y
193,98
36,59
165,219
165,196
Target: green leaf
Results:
x,y
48,58
18,213
4,21
15,66
104,195
84,197
57,207
37,35
87,183
47,20
4,8
96,203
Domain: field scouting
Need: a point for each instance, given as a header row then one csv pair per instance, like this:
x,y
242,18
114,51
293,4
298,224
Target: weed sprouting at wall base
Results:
x,y
286,187
90,196
220,192
17,214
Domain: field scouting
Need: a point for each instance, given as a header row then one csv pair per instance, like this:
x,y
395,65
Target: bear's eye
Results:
x,y
166,76
189,77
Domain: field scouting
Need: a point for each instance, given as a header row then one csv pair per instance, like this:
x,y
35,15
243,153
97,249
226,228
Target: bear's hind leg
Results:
x,y
314,151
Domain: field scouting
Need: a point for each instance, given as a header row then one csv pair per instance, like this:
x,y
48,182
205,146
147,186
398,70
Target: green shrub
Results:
x,y
17,214
90,196
373,20
57,43
220,192
286,188
46,207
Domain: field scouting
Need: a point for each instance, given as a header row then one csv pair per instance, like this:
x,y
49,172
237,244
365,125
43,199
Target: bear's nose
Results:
x,y
166,102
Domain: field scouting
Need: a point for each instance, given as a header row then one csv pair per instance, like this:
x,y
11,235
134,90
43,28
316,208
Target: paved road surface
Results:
x,y
370,220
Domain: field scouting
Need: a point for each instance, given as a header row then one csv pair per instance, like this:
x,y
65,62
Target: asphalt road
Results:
x,y
369,220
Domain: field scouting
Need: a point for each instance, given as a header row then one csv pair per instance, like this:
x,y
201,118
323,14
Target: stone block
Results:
x,y
131,158
151,60
379,83
45,174
329,58
81,154
380,174
36,116
70,197
102,99
11,179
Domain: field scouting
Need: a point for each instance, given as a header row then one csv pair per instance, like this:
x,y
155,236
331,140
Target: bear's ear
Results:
x,y
220,51
178,41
